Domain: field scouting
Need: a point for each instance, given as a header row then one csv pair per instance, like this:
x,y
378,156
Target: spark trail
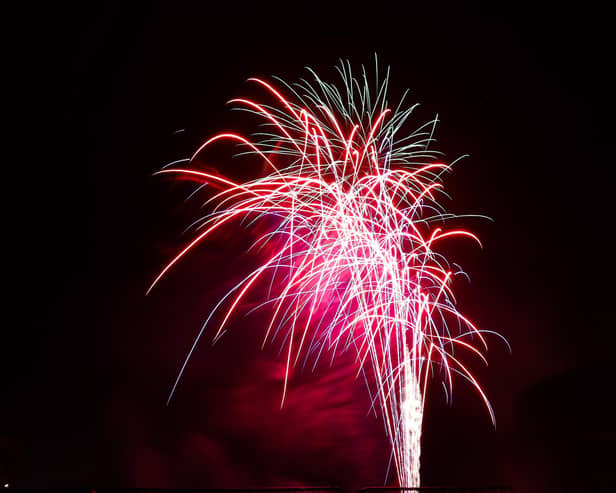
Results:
x,y
352,258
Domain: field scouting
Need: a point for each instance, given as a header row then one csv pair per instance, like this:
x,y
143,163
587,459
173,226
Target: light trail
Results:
x,y
355,265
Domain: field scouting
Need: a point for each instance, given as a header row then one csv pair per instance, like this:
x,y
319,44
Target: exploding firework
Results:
x,y
354,224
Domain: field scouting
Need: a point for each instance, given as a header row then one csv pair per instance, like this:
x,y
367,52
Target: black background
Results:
x,y
95,98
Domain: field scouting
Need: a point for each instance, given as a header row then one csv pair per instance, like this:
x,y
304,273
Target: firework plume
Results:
x,y
351,204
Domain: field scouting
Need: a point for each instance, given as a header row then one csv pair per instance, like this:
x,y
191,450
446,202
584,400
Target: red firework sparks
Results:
x,y
353,261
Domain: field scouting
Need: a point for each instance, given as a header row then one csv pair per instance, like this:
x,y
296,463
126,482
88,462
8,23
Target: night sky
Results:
x,y
102,96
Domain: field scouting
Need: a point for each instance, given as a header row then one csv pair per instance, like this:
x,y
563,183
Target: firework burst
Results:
x,y
353,262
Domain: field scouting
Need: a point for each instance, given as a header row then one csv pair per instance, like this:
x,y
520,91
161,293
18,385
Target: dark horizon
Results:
x,y
107,94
